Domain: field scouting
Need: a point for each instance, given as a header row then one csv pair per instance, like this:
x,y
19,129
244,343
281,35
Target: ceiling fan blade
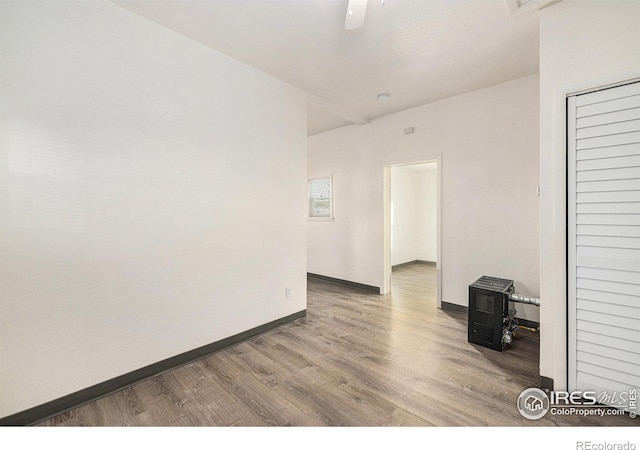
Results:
x,y
356,11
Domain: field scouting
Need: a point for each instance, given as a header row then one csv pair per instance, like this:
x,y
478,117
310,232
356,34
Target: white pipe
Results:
x,y
522,299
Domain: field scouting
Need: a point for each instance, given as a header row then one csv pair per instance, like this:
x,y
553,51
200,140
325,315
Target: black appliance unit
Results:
x,y
488,308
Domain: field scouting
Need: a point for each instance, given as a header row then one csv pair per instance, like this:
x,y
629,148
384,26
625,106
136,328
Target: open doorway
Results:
x,y
412,228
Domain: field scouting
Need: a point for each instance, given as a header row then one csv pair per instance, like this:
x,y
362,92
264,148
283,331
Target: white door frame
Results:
x,y
437,158
571,245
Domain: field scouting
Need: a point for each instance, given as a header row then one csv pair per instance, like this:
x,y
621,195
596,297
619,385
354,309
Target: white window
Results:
x,y
320,198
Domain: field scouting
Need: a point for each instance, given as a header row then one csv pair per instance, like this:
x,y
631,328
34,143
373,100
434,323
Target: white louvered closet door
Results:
x,y
604,239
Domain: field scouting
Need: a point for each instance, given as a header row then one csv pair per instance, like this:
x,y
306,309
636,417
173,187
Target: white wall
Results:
x,y
583,45
414,208
403,215
488,140
427,212
152,197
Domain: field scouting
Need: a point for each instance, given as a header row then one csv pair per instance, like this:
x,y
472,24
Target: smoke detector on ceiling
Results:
x,y
384,97
517,7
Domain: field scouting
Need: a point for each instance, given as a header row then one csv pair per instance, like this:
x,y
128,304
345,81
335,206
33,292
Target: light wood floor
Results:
x,y
357,359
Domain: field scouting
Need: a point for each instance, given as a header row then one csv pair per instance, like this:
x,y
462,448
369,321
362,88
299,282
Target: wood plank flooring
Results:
x,y
357,359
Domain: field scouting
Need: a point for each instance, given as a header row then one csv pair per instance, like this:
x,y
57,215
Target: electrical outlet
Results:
x,y
287,292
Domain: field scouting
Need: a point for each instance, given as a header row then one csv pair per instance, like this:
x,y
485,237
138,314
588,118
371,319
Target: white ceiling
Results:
x,y
419,51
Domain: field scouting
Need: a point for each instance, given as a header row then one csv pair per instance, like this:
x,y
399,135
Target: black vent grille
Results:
x,y
493,284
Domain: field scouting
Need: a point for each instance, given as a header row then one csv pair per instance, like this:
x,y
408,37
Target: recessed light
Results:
x,y
384,97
